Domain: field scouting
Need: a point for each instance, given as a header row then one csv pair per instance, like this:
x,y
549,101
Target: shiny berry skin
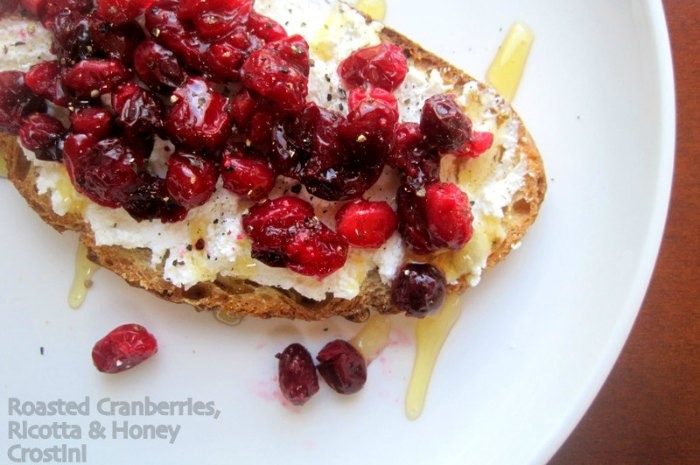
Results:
x,y
418,289
245,176
297,375
191,179
342,367
200,118
138,111
92,78
223,61
77,150
443,124
448,214
42,134
413,224
265,28
120,11
271,76
478,143
382,66
44,79
51,8
295,51
117,42
96,122
407,146
124,347
359,95
71,33
366,224
280,213
169,31
16,101
157,66
149,199
315,250
214,19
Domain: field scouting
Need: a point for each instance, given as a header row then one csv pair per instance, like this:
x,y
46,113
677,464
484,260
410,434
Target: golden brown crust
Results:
x,y
247,298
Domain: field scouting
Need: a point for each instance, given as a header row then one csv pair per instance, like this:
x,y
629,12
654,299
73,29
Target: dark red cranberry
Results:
x,y
366,224
124,347
116,42
315,250
443,124
111,170
44,79
52,8
8,6
96,122
200,118
418,289
342,367
382,65
295,51
71,34
369,132
223,61
16,101
448,214
157,66
265,28
166,29
271,76
92,78
149,199
407,146
413,222
191,179
245,176
478,143
214,19
138,111
77,150
281,213
42,134
298,380
120,11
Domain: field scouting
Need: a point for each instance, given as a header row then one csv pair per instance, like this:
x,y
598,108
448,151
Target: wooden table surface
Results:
x,y
648,412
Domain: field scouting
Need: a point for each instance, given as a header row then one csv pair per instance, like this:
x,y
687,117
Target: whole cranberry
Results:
x,y
92,78
16,101
314,249
191,179
157,66
413,223
382,65
342,366
265,28
45,80
298,380
295,51
418,289
366,224
93,121
149,199
169,31
138,111
271,76
443,124
124,347
448,214
246,176
223,61
77,151
42,134
275,215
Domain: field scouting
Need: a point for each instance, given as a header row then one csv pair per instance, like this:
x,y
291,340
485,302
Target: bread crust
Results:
x,y
246,298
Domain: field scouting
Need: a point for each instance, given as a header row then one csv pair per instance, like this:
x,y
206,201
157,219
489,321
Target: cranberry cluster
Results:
x,y
228,87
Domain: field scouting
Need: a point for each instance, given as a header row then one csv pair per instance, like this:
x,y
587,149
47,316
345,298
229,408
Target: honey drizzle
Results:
x,y
82,280
508,65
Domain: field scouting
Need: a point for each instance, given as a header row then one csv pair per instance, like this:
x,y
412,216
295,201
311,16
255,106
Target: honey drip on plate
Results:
x,y
227,318
375,9
373,337
84,270
507,67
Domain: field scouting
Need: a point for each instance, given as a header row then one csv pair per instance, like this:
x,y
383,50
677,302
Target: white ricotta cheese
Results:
x,y
23,43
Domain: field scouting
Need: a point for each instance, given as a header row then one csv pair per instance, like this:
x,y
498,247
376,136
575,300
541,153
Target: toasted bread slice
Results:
x,y
246,298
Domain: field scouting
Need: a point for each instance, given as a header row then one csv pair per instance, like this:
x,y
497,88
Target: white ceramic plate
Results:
x,y
533,346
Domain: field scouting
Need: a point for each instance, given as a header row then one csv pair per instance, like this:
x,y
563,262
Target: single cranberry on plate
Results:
x,y
42,134
123,348
297,375
16,101
366,224
382,65
342,366
191,179
418,289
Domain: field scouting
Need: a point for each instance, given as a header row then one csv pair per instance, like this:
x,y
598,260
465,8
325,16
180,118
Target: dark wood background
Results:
x,y
648,412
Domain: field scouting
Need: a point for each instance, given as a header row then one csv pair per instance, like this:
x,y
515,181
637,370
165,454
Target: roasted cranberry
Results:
x,y
448,214
281,213
265,28
200,118
157,66
96,122
124,347
223,61
166,29
150,200
116,42
44,79
243,106
246,176
271,76
382,65
316,250
297,374
191,179
52,8
111,170
443,124
16,101
71,34
77,150
42,133
8,6
214,19
342,367
407,145
369,133
366,224
92,78
418,289
295,51
139,112
413,222
478,143
120,11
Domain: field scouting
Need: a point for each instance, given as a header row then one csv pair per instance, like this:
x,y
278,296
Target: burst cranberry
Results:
x,y
223,61
265,28
112,169
77,150
383,66
478,143
268,74
150,200
16,101
96,122
342,367
42,134
214,19
200,118
139,112
124,347
443,124
369,133
116,42
295,51
366,224
449,215
247,177
92,78
418,289
298,380
157,66
71,34
315,250
191,179
120,11
166,29
44,79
